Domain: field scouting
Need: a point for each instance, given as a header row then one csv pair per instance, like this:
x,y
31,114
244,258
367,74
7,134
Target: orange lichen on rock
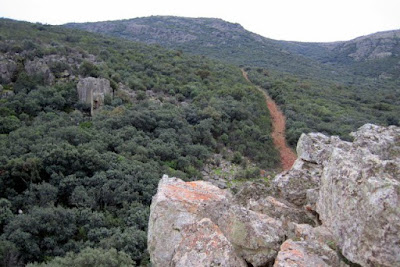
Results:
x,y
192,192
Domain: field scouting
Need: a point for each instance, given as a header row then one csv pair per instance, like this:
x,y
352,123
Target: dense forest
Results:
x,y
76,188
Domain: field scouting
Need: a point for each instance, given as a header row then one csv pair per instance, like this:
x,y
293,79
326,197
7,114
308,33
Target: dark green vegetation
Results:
x,y
327,107
83,184
213,38
327,87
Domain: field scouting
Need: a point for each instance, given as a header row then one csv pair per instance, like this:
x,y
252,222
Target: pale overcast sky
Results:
x,y
298,20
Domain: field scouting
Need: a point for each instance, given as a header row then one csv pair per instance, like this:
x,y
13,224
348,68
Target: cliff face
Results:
x,y
337,205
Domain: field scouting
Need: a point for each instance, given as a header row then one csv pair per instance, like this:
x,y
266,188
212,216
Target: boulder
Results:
x,y
8,70
255,236
359,196
304,254
93,91
39,67
173,208
293,184
259,198
179,208
205,245
308,246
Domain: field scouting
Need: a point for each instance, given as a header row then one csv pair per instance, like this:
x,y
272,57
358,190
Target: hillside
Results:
x,y
231,42
375,55
213,38
77,176
332,88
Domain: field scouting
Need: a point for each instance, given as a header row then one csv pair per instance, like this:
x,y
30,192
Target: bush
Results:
x,y
90,257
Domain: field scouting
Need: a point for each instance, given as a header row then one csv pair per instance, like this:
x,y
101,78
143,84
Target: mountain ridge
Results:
x,y
204,35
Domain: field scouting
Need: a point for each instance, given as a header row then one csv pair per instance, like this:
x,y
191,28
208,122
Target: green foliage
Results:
x,y
87,182
328,107
90,257
88,69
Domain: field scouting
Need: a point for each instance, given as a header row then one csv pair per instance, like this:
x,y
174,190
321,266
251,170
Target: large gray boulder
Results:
x,y
353,189
205,245
179,208
93,91
359,196
39,67
8,69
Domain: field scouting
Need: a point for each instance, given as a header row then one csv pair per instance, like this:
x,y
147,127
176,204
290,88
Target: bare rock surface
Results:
x,y
8,69
359,196
93,90
39,67
353,189
180,207
205,245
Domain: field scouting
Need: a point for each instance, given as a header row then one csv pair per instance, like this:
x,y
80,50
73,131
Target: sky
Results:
x,y
291,20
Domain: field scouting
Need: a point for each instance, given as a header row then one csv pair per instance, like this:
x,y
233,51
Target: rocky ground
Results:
x,y
337,206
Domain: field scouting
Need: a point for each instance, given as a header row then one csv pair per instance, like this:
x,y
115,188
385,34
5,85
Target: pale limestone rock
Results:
x,y
39,67
205,245
313,147
308,246
353,187
174,208
8,69
93,90
359,196
257,197
306,253
255,236
179,207
293,184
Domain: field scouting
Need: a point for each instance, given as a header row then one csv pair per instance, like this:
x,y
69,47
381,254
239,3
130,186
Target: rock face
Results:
x,y
39,67
338,205
353,188
359,196
240,235
93,90
8,70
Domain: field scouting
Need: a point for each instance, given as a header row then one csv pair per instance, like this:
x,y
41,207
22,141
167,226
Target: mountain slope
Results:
x,y
375,55
370,56
211,37
327,87
72,181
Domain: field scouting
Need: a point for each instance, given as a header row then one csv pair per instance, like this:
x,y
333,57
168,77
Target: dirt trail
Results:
x,y
278,133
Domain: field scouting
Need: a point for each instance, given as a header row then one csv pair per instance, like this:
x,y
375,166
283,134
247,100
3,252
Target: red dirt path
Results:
x,y
278,133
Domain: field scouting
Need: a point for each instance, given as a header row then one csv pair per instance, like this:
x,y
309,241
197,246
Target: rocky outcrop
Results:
x,y
205,245
92,91
39,67
359,196
337,206
355,192
178,208
8,69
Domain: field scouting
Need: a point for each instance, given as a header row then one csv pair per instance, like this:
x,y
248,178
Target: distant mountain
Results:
x,y
376,55
214,38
